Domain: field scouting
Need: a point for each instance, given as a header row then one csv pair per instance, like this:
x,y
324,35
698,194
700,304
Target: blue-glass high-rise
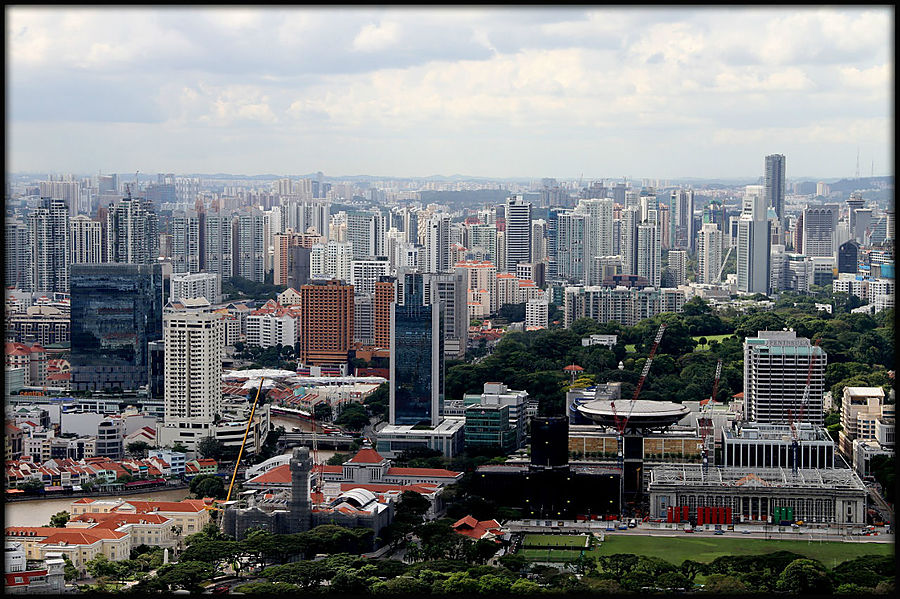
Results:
x,y
116,311
417,357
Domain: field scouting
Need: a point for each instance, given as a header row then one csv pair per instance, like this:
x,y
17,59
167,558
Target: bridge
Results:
x,y
322,440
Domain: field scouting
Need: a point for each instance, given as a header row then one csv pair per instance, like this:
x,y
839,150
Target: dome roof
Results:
x,y
358,497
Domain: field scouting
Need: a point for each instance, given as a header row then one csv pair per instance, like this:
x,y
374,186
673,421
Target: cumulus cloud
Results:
x,y
447,79
374,37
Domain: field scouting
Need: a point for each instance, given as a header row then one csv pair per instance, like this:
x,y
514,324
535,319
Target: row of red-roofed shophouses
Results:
x,y
66,472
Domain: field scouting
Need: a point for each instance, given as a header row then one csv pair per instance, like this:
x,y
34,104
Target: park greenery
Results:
x,y
860,352
281,357
239,288
456,565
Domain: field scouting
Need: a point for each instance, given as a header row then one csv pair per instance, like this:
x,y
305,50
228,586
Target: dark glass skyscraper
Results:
x,y
116,311
775,183
417,357
848,257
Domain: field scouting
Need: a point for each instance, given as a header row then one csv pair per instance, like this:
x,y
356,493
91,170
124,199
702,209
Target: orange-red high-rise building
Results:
x,y
326,333
385,293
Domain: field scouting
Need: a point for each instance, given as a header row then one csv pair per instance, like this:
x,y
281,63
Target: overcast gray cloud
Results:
x,y
488,92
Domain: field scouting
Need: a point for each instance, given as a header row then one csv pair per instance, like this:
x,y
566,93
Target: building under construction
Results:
x,y
548,486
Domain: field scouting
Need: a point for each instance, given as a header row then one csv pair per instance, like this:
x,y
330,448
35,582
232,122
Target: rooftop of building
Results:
x,y
446,426
837,478
476,529
366,456
776,432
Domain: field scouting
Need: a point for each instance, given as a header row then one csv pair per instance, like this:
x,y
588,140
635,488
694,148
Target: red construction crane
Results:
x,y
622,422
795,433
705,420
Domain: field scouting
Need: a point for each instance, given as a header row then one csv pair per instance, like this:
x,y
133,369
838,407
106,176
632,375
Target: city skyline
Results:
x,y
393,93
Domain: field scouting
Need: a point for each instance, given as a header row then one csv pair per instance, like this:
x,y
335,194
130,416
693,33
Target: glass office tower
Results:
x,y
116,312
417,357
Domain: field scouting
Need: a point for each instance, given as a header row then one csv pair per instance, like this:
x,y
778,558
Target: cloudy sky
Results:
x,y
661,93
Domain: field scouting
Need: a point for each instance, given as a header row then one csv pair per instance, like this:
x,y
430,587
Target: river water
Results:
x,y
37,512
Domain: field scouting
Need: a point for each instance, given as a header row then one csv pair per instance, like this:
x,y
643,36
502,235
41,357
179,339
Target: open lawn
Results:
x,y
677,549
708,339
536,540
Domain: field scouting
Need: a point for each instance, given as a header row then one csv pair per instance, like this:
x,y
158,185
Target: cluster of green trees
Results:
x,y
143,560
377,402
210,551
283,357
786,572
860,351
211,448
780,572
354,416
59,519
239,288
208,485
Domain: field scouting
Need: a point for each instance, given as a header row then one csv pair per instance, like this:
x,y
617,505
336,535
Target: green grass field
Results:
x,y
677,549
548,541
708,339
550,555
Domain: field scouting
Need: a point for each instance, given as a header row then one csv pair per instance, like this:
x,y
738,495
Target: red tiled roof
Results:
x,y
475,529
327,468
166,506
279,475
82,537
367,456
466,521
32,531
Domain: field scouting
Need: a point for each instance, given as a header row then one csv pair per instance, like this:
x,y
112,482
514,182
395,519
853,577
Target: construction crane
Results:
x,y
244,442
705,421
317,476
622,422
722,268
795,432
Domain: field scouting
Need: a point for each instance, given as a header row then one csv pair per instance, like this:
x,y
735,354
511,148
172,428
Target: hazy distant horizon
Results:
x,y
129,176
679,92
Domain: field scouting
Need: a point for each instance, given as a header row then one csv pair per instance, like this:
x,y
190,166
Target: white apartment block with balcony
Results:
x,y
194,346
192,286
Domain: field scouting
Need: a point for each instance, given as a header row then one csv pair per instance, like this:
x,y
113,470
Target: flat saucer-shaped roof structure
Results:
x,y
643,413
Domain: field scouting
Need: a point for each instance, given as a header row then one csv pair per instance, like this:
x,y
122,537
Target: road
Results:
x,y
880,505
